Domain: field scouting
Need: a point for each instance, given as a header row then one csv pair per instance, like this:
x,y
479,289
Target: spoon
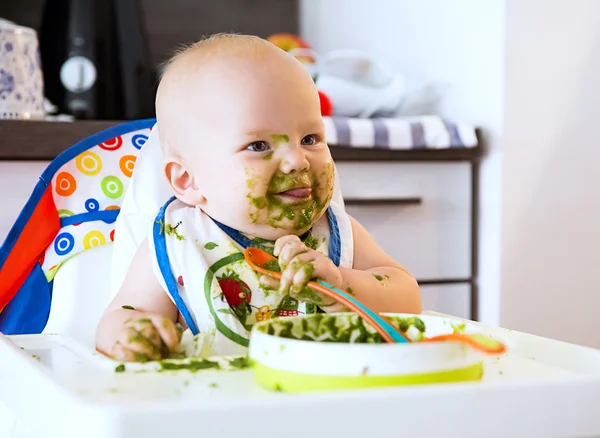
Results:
x,y
478,341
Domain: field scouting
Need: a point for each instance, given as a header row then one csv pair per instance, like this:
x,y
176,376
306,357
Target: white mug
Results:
x,y
21,79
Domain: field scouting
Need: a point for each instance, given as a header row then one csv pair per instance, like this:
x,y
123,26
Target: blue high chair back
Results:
x,y
72,208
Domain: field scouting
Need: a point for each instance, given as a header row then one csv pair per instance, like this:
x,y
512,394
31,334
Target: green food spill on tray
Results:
x,y
193,365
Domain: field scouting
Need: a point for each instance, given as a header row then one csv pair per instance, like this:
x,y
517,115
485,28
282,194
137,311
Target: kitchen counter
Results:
x,y
44,140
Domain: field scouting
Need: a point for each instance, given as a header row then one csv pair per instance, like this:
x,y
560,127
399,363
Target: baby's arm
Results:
x,y
139,323
377,280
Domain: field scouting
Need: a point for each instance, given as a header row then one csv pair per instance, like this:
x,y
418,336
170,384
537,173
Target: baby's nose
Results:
x,y
294,160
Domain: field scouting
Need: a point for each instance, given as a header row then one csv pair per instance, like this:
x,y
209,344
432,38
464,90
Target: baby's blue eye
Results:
x,y
258,146
309,140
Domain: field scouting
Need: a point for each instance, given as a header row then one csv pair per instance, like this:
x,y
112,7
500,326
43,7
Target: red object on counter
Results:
x,y
326,105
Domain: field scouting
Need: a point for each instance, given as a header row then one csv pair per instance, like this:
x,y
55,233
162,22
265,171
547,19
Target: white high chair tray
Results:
x,y
59,388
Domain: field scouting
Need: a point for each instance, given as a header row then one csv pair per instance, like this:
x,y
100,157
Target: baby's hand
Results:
x,y
146,337
299,264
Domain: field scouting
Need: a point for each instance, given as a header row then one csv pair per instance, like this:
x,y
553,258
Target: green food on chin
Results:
x,y
277,212
302,214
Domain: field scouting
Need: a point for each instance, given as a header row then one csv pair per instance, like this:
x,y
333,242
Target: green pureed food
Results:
x,y
340,328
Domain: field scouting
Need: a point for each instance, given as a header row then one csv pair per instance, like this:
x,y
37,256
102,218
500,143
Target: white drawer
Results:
x,y
17,180
451,299
431,239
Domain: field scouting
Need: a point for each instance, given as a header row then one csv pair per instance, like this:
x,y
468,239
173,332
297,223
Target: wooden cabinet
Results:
x,y
421,214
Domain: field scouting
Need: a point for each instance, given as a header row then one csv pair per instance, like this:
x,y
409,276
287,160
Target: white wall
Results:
x,y
456,46
551,169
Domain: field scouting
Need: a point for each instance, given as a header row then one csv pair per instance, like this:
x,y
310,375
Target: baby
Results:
x,y
246,157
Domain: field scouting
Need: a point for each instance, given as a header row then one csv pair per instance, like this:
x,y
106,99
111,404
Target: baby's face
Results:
x,y
261,162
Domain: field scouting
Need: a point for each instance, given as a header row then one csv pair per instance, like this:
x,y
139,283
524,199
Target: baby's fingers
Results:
x,y
145,327
283,241
142,348
269,282
122,354
303,276
167,331
296,265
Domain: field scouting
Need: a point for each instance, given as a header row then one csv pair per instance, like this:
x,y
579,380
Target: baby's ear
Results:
x,y
182,182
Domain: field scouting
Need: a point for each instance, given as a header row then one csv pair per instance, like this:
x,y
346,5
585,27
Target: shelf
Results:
x,y
44,140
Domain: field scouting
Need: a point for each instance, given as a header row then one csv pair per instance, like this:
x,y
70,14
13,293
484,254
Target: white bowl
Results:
x,y
287,355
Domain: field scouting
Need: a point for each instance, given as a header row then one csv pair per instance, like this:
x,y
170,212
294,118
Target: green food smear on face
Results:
x,y
349,290
278,213
280,138
259,202
193,365
268,156
210,245
127,307
213,385
120,368
346,328
281,182
144,320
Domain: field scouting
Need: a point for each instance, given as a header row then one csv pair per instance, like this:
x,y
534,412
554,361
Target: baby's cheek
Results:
x,y
324,179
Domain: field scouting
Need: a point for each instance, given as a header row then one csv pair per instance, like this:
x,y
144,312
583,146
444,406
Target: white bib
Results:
x,y
200,264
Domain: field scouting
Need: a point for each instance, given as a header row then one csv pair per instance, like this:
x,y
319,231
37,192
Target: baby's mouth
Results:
x,y
292,188
297,194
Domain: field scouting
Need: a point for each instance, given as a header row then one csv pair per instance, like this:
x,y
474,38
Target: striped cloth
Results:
x,y
424,132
